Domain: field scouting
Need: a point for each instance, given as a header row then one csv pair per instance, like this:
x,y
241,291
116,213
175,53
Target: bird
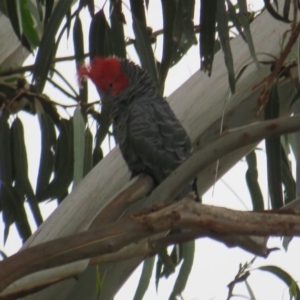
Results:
x,y
151,138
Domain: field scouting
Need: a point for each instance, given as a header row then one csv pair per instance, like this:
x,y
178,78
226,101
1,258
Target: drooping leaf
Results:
x,y
12,11
48,140
249,289
47,45
286,9
79,145
51,110
252,182
188,251
22,182
183,31
3,8
296,96
142,39
284,276
170,262
39,8
287,179
208,13
273,12
99,39
244,19
164,267
5,172
78,41
273,152
116,20
14,211
63,163
145,278
68,22
223,31
97,155
88,156
5,150
79,56
233,17
104,125
48,11
169,9
28,25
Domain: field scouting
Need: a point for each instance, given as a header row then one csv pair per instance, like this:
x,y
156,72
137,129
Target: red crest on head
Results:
x,y
106,74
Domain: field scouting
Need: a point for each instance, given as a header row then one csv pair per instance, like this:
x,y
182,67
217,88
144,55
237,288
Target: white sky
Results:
x,y
215,265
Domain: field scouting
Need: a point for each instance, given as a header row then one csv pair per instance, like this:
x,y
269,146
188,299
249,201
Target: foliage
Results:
x,y
70,146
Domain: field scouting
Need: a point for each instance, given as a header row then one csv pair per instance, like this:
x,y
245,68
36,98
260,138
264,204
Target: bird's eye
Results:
x,y
110,85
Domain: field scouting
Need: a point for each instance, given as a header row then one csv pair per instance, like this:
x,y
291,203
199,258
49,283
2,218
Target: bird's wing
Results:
x,y
157,137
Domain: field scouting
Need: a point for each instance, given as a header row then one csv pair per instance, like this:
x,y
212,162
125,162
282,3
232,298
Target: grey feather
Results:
x,y
150,137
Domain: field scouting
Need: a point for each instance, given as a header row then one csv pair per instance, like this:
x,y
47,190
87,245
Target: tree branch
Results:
x,y
111,238
185,214
226,143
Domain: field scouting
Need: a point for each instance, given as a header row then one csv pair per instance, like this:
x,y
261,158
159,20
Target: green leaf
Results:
x,y
79,56
144,49
48,140
285,277
169,9
78,40
39,8
98,36
28,25
5,172
97,155
273,152
142,39
273,12
22,183
13,211
252,182
297,94
293,289
188,251
158,272
243,13
183,31
48,11
51,110
3,8
79,145
145,278
12,12
63,163
287,178
102,130
223,31
117,31
68,22
88,158
5,150
208,13
47,46
249,289
167,262
233,17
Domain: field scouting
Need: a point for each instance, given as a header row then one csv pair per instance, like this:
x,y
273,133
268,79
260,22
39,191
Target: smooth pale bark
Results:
x,y
199,104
